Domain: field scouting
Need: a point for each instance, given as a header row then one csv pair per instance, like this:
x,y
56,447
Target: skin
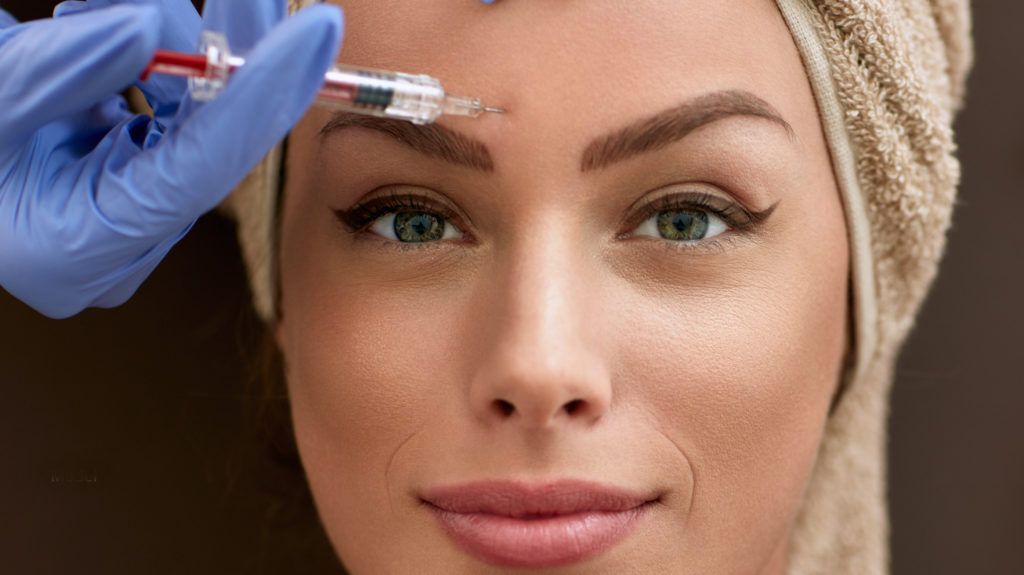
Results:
x,y
700,373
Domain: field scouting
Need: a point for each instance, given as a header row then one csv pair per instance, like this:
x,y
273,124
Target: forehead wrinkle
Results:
x,y
431,140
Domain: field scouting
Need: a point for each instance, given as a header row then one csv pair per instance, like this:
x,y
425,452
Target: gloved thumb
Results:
x,y
55,68
207,155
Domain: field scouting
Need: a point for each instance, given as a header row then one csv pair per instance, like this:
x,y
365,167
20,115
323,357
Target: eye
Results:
x,y
691,217
415,227
683,225
402,217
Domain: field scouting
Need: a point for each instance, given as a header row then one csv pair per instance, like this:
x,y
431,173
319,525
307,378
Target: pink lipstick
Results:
x,y
514,524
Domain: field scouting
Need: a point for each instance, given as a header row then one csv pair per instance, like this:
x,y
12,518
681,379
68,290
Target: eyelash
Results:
x,y
358,218
736,216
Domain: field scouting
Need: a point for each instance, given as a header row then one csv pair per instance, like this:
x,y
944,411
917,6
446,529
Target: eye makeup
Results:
x,y
361,217
731,212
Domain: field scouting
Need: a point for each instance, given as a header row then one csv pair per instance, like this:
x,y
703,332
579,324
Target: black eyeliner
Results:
x,y
732,213
359,217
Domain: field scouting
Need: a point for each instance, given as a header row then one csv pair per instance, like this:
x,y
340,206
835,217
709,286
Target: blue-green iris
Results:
x,y
683,225
418,227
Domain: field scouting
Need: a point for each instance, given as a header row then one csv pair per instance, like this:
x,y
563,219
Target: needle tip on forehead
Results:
x,y
462,106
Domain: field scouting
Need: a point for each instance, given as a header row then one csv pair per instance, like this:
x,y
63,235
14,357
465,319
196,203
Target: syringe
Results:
x,y
419,99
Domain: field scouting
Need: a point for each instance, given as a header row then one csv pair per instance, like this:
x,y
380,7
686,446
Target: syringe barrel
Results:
x,y
417,98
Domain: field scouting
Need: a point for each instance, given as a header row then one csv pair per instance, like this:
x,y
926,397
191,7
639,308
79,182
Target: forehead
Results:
x,y
581,68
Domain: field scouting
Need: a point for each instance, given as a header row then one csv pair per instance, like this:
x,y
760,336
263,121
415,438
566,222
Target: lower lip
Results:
x,y
540,542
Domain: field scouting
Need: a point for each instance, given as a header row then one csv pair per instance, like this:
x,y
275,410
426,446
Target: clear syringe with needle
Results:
x,y
417,98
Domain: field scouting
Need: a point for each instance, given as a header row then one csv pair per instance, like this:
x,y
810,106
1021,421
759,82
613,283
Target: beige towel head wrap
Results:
x,y
888,76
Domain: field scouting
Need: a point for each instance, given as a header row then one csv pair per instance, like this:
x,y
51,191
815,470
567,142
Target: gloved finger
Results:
x,y
181,22
128,279
69,8
55,68
6,20
244,22
180,33
203,159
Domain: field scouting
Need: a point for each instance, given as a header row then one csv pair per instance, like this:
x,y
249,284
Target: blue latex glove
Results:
x,y
92,197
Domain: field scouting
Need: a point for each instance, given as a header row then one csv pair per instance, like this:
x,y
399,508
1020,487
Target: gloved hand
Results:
x,y
93,197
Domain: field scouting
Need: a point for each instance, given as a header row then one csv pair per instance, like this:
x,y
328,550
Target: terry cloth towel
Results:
x,y
889,77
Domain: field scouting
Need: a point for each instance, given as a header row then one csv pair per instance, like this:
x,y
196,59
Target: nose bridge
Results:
x,y
542,364
544,307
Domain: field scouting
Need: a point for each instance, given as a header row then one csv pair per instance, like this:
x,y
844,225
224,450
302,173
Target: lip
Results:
x,y
514,524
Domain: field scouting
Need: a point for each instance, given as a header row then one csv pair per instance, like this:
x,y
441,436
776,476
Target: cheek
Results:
x,y
354,400
367,369
366,364
741,379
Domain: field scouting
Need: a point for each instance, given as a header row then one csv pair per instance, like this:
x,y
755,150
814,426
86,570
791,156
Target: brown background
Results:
x,y
127,436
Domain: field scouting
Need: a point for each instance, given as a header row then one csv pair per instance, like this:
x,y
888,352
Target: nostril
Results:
x,y
573,405
505,407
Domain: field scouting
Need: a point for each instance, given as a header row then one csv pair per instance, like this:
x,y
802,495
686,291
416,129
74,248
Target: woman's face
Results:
x,y
636,278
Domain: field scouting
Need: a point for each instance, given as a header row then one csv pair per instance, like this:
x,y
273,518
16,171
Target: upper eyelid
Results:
x,y
752,217
683,189
395,191
445,208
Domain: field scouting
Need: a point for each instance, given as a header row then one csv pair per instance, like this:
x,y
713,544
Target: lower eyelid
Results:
x,y
404,247
717,244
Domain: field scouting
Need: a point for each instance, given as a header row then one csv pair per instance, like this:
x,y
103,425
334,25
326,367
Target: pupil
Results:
x,y
420,225
682,221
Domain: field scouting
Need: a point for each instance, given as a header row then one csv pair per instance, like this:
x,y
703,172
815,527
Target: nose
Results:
x,y
540,365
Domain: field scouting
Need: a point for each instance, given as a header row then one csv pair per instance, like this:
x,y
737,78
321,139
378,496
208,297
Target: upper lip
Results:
x,y
518,499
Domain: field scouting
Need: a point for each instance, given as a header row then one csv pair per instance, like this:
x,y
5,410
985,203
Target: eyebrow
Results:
x,y
430,140
676,123
646,135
